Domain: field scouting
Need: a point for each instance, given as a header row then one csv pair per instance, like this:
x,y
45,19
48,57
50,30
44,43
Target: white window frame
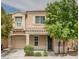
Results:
x,y
18,22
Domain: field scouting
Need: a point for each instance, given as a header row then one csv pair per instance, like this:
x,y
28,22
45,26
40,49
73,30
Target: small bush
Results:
x,y
37,54
28,50
45,53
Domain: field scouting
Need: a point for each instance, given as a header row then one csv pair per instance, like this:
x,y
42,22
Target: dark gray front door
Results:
x,y
49,43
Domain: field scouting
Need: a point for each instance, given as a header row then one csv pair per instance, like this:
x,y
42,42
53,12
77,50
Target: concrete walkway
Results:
x,y
19,54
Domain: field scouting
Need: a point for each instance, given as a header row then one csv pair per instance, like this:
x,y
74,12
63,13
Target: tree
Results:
x,y
6,24
70,10
61,20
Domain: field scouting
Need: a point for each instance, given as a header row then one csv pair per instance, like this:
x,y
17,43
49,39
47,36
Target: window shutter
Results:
x,y
33,20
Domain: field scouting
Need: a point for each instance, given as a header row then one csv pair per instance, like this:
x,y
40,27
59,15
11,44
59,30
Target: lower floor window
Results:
x,y
36,40
36,43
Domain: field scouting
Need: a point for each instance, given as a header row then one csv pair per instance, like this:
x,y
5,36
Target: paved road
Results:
x,y
19,54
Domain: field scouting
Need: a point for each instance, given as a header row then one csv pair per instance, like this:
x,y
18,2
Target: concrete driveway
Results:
x,y
19,54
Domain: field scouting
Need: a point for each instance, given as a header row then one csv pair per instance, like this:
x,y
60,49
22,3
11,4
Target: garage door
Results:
x,y
18,41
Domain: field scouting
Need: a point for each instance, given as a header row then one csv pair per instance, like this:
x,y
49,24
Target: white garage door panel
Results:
x,y
18,42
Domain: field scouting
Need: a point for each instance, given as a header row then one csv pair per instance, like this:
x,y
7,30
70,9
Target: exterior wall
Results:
x,y
30,19
42,42
31,27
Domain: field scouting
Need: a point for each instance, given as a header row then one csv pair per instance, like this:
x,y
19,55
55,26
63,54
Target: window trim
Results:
x,y
18,22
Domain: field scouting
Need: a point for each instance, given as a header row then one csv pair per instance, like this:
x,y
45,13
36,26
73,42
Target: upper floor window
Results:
x,y
39,19
18,21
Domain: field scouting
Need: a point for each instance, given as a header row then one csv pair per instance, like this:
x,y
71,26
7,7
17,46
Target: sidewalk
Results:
x,y
19,54
49,57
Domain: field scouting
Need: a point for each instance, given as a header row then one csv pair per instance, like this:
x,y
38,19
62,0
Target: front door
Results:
x,y
49,43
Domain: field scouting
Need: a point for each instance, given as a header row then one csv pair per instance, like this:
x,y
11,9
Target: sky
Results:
x,y
24,5
9,8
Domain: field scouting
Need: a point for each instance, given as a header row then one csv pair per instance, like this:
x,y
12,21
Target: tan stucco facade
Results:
x,y
24,35
30,20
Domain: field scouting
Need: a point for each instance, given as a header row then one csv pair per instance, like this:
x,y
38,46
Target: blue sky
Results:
x,y
9,8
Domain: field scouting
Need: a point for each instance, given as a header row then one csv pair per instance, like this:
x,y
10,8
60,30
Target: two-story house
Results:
x,y
29,29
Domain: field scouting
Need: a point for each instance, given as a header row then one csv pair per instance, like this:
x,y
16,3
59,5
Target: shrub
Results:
x,y
28,50
37,54
45,53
